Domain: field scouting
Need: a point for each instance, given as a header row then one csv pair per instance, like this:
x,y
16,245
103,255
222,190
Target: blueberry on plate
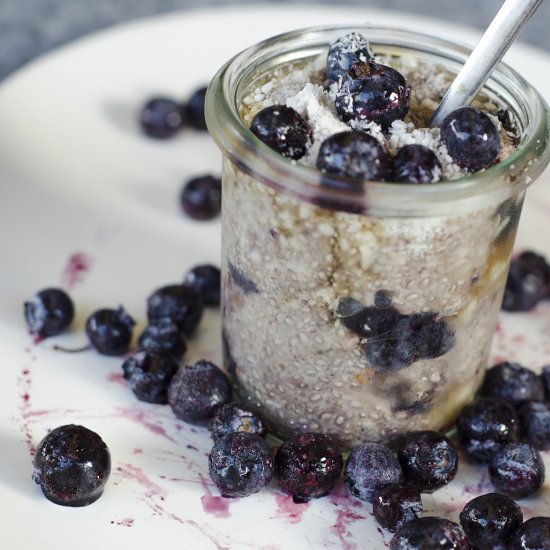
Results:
x,y
49,312
161,118
110,331
72,465
369,468
196,391
513,383
201,197
149,375
235,417
430,533
355,155
282,129
179,304
428,460
372,92
534,419
346,52
415,164
471,137
205,280
485,426
241,464
308,466
517,470
194,110
163,336
490,520
396,504
527,283
534,534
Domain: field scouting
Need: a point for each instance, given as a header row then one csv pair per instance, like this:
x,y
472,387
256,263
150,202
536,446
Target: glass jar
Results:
x,y
362,311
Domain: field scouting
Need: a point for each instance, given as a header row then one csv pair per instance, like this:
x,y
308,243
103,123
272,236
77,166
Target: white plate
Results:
x,y
77,177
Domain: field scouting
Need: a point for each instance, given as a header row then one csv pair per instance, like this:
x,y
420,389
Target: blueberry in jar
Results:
x,y
194,110
149,375
490,520
471,137
201,197
517,470
373,92
161,118
235,417
369,468
534,534
163,336
308,466
428,460
513,383
49,312
110,331
178,303
346,52
241,464
534,419
485,426
72,465
430,533
416,164
196,391
282,129
396,504
205,280
353,154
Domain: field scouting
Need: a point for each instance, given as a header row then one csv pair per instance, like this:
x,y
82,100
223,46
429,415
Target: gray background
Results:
x,y
31,27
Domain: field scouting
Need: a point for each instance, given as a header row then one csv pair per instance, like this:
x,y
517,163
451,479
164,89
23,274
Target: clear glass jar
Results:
x,y
301,259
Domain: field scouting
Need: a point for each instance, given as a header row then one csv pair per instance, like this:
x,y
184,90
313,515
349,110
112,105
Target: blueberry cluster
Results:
x,y
366,91
392,340
528,282
163,117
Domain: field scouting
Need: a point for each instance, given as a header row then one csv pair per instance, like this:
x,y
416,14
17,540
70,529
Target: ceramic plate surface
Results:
x,y
89,204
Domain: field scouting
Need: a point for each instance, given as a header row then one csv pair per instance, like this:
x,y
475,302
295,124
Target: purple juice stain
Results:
x,y
78,265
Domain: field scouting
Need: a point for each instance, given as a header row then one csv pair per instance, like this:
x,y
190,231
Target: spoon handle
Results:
x,y
498,37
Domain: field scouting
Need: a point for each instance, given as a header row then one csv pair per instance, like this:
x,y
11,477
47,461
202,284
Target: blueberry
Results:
x,y
149,375
163,336
195,392
205,280
534,418
110,331
396,504
490,520
485,426
194,109
178,303
534,534
526,286
308,466
513,383
428,460
471,137
390,355
416,164
241,464
201,197
350,312
354,155
372,92
161,118
282,129
369,468
430,533
536,262
517,470
235,417
72,465
346,52
49,312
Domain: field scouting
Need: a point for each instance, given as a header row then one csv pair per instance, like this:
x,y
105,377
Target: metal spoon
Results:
x,y
498,37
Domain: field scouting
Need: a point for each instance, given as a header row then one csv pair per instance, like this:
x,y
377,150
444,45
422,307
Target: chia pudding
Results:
x,y
362,309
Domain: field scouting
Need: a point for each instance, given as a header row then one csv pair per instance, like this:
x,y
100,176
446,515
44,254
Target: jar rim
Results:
x,y
490,186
